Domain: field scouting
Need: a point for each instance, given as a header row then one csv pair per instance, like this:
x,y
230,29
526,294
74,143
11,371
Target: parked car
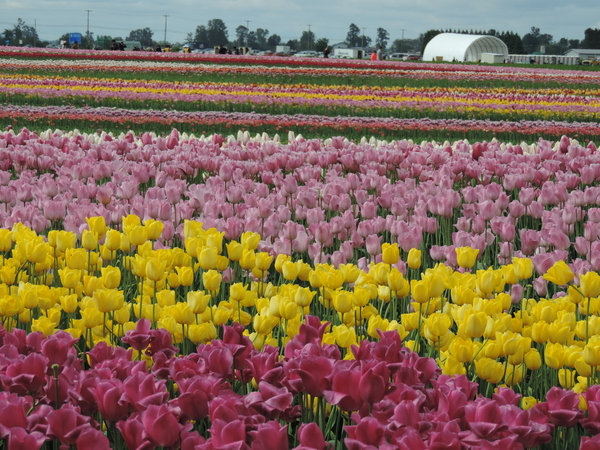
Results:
x,y
413,58
590,62
398,56
306,53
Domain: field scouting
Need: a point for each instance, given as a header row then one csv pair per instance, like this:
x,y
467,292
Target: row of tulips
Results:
x,y
330,100
273,60
103,61
477,324
334,199
87,117
309,398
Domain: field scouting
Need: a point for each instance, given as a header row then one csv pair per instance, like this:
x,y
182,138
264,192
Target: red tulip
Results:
x,y
19,439
134,435
140,338
226,436
161,425
93,439
344,393
111,400
66,424
27,375
270,436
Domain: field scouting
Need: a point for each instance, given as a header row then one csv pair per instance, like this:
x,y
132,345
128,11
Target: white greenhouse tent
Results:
x,y
462,47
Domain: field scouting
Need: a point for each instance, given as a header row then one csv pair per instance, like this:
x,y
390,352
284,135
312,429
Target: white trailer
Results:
x,y
349,53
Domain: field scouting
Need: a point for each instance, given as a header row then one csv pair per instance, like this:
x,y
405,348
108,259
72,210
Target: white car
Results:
x,y
306,53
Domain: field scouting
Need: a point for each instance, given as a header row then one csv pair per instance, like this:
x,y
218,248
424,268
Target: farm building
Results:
x,y
462,47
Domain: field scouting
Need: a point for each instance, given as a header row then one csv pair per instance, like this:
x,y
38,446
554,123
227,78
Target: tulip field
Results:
x,y
206,252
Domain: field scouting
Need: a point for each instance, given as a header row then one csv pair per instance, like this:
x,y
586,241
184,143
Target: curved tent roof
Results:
x,y
463,47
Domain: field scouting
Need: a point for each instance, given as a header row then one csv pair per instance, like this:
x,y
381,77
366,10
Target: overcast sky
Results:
x,y
289,18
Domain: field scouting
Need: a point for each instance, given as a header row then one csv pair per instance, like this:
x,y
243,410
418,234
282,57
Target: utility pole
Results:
x,y
248,32
363,39
309,39
87,36
402,41
34,32
165,39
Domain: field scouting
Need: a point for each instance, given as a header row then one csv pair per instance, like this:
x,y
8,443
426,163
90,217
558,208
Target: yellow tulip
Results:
x,y
514,374
68,303
221,315
438,324
204,332
420,291
250,240
523,268
8,274
264,324
451,366
36,250
113,240
466,256
155,269
414,258
289,270
185,275
197,300
97,225
43,324
566,378
212,280
138,235
111,277
583,369
342,301
489,370
234,250
288,309
70,278
6,239
107,300
123,315
350,272
488,280
237,292
65,240
344,336
89,240
528,403
263,261
390,253
591,353
304,296
165,297
76,258
475,324
554,356
154,228
589,284
560,273
376,324
361,296
462,349
208,258
248,260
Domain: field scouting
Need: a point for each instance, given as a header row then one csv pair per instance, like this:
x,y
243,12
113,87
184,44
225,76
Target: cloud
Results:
x,y
289,18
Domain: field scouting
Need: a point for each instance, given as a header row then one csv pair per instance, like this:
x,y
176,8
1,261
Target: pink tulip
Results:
x,y
19,439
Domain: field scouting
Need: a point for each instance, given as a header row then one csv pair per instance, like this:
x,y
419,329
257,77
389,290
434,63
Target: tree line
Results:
x,y
215,33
